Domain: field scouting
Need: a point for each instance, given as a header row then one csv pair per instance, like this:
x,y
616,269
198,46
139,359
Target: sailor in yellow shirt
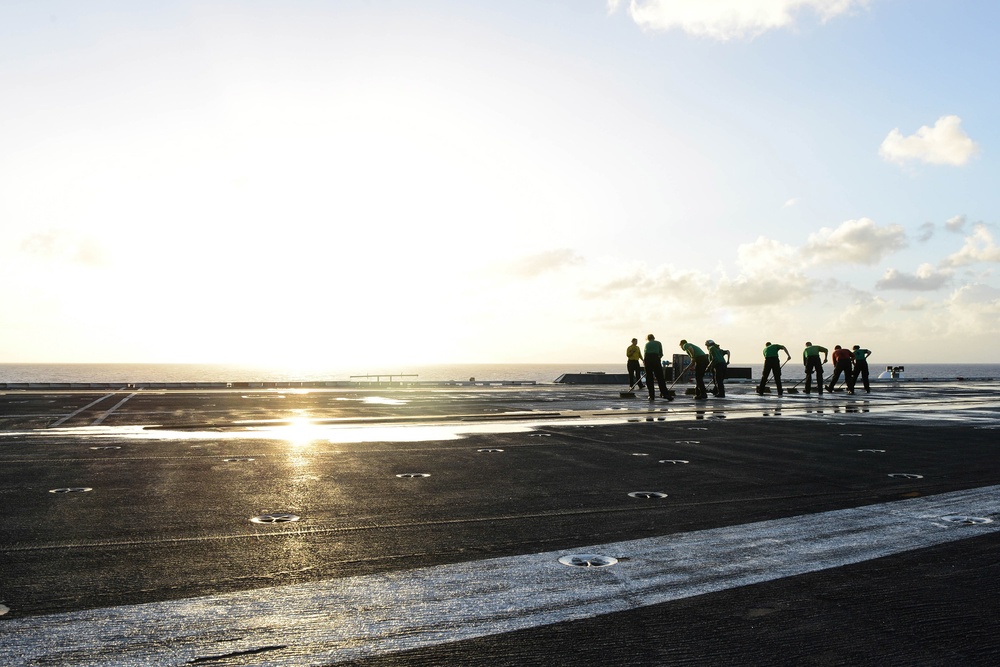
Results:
x,y
634,356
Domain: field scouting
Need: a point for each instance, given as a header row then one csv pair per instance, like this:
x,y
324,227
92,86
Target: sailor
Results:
x,y
700,361
718,366
810,357
861,367
772,365
843,360
654,367
634,356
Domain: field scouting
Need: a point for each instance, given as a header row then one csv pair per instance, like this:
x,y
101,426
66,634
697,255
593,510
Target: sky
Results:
x,y
357,183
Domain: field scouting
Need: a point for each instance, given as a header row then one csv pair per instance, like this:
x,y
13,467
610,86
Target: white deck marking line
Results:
x,y
335,620
117,405
74,414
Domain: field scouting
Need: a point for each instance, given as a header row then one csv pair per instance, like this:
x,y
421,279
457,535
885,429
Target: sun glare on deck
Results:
x,y
299,432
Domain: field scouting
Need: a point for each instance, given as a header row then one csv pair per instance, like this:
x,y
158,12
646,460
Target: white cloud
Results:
x,y
926,232
766,256
976,294
769,275
729,19
65,246
791,202
855,241
979,247
548,261
974,310
918,304
665,284
926,279
956,224
775,289
945,143
863,315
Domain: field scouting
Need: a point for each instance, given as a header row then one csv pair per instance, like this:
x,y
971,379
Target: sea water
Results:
x,y
541,373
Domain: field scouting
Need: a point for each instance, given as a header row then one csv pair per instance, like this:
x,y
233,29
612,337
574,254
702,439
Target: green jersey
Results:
x,y
772,351
653,347
813,351
718,354
694,351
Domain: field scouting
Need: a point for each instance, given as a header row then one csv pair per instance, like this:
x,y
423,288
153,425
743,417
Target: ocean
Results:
x,y
541,373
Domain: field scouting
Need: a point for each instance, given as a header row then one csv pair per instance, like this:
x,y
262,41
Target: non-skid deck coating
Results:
x,y
430,521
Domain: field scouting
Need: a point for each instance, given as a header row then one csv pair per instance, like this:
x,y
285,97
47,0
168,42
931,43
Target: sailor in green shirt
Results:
x,y
810,357
653,356
718,366
700,361
861,366
772,365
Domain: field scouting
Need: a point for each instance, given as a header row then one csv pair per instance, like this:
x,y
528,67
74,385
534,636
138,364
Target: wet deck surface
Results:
x,y
129,513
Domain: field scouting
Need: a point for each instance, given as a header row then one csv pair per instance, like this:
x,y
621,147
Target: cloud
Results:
x,y
861,315
976,294
791,202
925,279
532,266
665,284
728,19
945,143
926,232
64,246
769,275
918,304
766,279
854,242
979,247
974,310
956,224
765,256
770,290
